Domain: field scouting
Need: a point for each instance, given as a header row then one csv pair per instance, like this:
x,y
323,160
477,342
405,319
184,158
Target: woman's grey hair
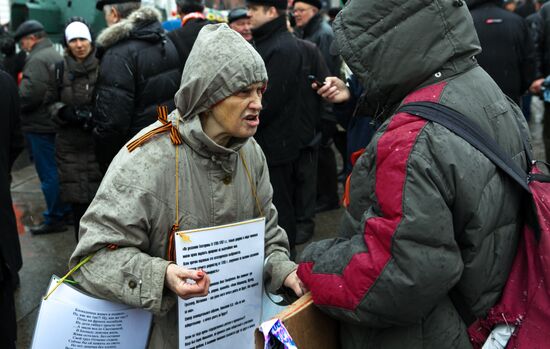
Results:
x,y
124,9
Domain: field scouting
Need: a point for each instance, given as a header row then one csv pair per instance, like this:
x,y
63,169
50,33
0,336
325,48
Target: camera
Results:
x,y
84,117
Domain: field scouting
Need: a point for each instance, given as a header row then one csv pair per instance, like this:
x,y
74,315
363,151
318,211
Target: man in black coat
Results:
x,y
13,61
540,25
527,8
278,134
311,109
139,70
508,54
312,26
192,21
11,144
36,121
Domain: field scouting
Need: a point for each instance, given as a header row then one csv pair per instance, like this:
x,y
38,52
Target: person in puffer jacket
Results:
x,y
71,88
428,212
139,70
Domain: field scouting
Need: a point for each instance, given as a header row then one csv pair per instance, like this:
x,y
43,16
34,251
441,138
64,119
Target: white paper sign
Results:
x,y
233,256
71,319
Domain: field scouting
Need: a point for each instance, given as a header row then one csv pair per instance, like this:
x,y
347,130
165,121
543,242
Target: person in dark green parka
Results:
x,y
428,213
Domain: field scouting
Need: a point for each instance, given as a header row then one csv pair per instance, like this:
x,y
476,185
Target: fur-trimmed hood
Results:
x,y
142,24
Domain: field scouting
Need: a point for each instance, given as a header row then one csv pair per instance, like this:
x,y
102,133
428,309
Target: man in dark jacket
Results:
x,y
277,133
192,21
540,24
428,212
508,54
238,20
311,26
536,28
36,122
11,142
139,70
311,110
527,8
13,61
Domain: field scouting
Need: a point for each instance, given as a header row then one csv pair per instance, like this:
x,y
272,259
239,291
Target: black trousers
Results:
x,y
305,191
546,130
8,322
282,181
327,176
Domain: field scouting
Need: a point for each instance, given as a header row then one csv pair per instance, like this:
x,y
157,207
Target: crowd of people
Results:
x,y
257,108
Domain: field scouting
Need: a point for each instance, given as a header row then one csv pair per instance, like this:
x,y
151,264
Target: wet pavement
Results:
x,y
48,254
42,255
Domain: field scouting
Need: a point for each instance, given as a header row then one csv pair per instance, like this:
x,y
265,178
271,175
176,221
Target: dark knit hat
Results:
x,y
333,11
278,4
100,3
27,28
188,6
236,14
316,3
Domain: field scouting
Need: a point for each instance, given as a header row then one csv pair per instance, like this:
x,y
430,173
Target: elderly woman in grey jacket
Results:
x,y
127,225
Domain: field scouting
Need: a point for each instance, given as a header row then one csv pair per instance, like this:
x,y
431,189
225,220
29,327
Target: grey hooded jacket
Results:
x,y
35,115
135,205
428,212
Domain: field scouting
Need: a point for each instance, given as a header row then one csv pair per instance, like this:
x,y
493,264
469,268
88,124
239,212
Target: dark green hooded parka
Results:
x,y
428,212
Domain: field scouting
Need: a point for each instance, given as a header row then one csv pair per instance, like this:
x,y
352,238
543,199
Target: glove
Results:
x,y
67,114
76,116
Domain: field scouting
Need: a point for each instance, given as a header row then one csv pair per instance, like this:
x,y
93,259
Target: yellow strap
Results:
x,y
177,176
60,281
252,186
186,238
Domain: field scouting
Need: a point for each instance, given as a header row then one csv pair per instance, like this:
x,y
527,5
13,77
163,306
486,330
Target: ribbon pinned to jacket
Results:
x,y
175,137
171,243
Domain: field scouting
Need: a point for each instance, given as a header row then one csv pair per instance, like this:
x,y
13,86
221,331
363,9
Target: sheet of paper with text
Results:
x,y
71,319
233,256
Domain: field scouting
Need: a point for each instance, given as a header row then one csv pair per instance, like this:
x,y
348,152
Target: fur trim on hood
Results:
x,y
123,29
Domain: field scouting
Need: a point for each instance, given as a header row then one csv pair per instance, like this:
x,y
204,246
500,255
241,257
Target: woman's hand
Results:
x,y
334,90
177,280
293,282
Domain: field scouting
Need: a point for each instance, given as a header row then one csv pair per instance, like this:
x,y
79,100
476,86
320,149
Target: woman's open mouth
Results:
x,y
253,120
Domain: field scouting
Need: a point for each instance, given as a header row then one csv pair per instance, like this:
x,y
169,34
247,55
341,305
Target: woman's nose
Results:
x,y
256,104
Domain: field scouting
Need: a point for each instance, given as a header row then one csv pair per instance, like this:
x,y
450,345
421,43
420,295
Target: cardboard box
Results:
x,y
307,325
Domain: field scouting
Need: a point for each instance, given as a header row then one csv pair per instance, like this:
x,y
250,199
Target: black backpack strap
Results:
x,y
479,139
471,133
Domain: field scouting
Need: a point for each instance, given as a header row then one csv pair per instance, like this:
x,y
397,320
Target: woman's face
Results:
x,y
80,48
236,116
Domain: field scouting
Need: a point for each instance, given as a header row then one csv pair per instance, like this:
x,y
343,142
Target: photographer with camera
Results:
x,y
71,87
